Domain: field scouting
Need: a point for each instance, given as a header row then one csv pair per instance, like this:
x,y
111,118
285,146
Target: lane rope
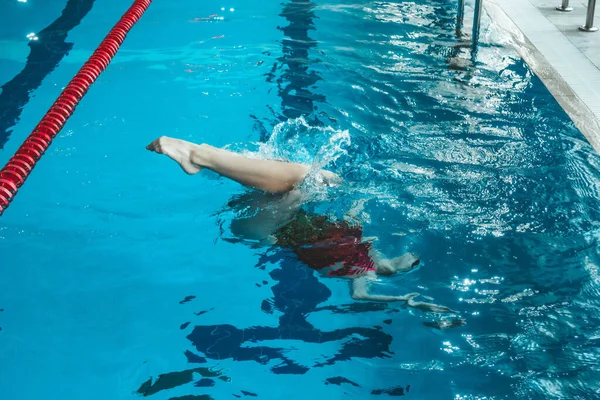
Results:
x,y
18,168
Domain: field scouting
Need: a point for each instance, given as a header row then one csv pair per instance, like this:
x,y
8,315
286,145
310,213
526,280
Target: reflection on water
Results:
x,y
293,74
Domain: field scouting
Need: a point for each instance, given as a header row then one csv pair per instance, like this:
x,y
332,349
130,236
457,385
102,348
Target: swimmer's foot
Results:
x,y
178,150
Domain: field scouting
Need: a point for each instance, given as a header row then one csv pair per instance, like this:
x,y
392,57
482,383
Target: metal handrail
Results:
x,y
589,20
476,20
461,14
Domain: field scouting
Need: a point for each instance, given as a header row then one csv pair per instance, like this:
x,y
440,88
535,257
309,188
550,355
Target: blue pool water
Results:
x,y
120,278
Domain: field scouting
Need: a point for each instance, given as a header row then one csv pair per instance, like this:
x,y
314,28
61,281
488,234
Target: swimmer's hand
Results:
x,y
427,307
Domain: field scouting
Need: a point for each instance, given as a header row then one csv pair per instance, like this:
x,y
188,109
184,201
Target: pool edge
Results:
x,y
576,99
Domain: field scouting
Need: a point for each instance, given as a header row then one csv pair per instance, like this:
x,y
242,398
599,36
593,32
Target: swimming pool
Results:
x,y
120,278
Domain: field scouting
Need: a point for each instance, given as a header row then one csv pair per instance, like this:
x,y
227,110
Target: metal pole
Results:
x,y
477,21
565,6
589,21
461,13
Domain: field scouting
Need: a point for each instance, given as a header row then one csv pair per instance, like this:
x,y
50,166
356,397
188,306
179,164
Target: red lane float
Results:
x,y
18,168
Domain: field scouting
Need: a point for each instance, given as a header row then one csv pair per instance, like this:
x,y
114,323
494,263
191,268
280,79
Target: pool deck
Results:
x,y
566,59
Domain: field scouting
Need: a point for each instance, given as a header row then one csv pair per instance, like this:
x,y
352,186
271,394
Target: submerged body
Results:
x,y
334,248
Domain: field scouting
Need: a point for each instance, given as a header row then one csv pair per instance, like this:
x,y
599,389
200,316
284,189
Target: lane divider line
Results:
x,y
18,168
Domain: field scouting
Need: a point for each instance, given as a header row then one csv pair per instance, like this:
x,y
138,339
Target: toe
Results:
x,y
154,146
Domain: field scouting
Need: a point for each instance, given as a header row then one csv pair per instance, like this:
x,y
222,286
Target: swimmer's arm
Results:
x,y
360,291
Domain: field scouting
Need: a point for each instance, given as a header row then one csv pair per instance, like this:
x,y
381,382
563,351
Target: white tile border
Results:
x,y
567,73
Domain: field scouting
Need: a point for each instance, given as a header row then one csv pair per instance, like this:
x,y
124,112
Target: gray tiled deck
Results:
x,y
566,59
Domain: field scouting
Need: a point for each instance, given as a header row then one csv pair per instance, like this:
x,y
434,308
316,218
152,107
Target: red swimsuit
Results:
x,y
322,244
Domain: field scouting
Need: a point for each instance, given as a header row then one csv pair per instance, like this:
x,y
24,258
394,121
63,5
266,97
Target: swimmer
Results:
x,y
334,248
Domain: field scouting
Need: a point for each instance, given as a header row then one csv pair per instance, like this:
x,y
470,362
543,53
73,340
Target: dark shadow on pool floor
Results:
x,y
297,294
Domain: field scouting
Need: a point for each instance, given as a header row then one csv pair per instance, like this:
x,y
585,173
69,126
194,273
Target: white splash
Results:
x,y
295,140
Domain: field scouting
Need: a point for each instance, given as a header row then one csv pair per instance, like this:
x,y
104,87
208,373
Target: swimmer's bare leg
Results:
x,y
266,175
